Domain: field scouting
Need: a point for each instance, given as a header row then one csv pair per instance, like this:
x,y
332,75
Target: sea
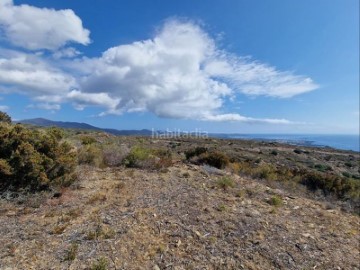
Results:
x,y
343,142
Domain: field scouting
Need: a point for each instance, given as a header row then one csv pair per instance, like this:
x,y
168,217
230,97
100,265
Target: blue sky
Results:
x,y
219,66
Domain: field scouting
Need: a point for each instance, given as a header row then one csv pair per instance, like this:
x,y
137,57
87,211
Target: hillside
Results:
x,y
180,219
140,203
42,122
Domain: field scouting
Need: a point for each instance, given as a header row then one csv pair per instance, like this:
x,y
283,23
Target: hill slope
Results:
x,y
42,122
179,219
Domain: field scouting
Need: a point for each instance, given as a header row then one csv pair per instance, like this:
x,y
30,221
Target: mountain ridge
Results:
x,y
43,122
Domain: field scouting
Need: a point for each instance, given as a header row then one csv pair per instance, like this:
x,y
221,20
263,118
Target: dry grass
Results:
x,y
125,218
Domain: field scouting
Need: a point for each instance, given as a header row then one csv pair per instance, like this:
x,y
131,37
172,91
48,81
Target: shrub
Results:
x,y
225,182
215,159
71,252
329,183
5,118
114,155
276,201
274,152
90,155
34,159
298,151
101,264
348,164
137,157
195,152
322,168
140,157
85,140
265,171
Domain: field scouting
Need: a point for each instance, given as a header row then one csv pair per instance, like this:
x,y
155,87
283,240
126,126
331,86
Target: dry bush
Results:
x,y
90,155
145,158
114,155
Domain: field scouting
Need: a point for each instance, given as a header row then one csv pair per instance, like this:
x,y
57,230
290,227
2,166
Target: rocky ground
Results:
x,y
183,217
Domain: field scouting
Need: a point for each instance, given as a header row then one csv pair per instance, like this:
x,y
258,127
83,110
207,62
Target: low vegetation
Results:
x,y
225,183
141,202
34,159
201,155
100,264
276,201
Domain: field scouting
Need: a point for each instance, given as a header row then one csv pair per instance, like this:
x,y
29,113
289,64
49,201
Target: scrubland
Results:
x,y
85,200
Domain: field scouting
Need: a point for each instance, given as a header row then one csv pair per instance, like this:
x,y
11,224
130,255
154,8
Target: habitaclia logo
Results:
x,y
178,133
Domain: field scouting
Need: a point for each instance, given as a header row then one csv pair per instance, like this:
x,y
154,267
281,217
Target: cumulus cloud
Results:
x,y
32,75
180,73
40,28
66,53
82,100
45,106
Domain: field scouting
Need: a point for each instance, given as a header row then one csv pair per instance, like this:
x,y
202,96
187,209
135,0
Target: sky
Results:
x,y
230,66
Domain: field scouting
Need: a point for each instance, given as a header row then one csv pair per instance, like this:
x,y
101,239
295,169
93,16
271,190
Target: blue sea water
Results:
x,y
344,142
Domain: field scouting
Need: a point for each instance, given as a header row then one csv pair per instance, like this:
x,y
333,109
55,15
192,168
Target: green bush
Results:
x,y
85,140
276,200
340,186
137,157
265,171
90,155
215,159
349,164
145,158
195,152
225,182
322,167
71,252
101,264
5,118
34,159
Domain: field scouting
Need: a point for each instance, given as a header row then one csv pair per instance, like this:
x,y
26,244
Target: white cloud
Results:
x,y
66,53
233,117
180,73
82,100
4,108
32,75
45,106
254,78
40,28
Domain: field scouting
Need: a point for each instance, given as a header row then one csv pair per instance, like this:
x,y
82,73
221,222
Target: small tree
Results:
x,y
4,117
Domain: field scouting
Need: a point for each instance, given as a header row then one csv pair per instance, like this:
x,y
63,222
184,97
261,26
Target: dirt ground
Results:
x,y
180,218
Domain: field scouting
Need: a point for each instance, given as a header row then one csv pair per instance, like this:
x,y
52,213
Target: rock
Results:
x,y
156,267
11,213
252,213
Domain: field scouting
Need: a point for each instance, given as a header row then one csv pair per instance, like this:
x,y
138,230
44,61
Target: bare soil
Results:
x,y
179,218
